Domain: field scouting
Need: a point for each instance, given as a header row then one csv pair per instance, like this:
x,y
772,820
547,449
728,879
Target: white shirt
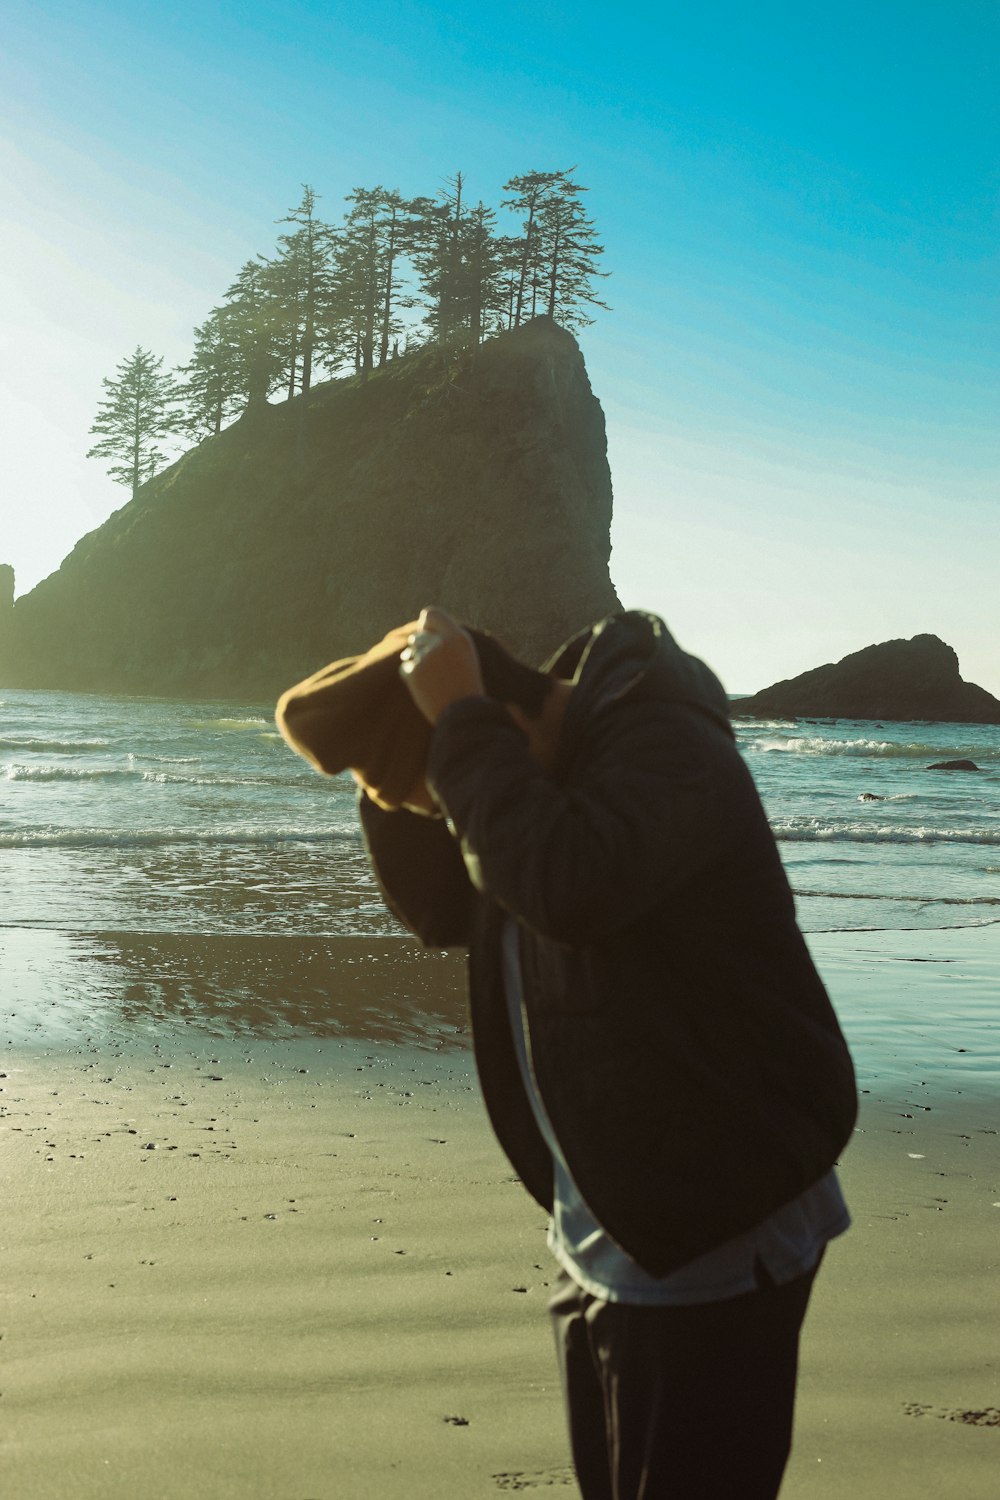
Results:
x,y
788,1243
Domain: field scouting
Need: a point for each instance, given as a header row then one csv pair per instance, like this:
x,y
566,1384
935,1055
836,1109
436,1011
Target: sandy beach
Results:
x,y
258,1241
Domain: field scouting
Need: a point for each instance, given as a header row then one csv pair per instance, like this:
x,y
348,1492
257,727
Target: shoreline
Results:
x,y
918,1006
295,1264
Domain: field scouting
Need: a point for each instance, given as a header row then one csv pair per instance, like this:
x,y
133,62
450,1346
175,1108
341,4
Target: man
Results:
x,y
657,1054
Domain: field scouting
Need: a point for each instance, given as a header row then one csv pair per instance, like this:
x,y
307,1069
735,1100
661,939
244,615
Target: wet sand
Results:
x,y
258,1241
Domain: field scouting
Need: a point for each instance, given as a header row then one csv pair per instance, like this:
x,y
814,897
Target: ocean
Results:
x,y
146,815
872,839
166,863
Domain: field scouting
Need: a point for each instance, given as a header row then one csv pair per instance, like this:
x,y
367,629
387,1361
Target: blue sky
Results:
x,y
799,207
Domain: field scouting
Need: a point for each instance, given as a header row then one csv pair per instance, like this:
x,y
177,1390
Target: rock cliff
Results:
x,y
478,481
6,604
898,680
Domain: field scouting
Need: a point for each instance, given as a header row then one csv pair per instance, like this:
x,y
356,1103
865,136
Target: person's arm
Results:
x,y
420,872
579,860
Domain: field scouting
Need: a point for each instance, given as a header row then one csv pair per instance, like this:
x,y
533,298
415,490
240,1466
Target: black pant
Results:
x,y
680,1403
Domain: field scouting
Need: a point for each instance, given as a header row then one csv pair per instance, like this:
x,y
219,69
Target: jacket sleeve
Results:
x,y
420,871
577,859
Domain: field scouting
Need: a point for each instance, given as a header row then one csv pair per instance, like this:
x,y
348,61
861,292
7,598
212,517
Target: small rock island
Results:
x,y
476,479
918,679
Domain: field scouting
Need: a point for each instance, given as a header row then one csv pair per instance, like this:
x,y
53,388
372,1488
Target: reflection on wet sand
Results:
x,y
370,989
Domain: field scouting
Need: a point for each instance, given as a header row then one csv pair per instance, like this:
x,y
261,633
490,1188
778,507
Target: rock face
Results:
x,y
478,481
900,680
6,604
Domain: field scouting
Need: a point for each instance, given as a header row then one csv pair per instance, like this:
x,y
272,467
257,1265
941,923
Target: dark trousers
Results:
x,y
680,1403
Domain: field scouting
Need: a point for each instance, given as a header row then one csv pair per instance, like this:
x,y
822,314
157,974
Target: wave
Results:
x,y
908,900
871,749
15,772
171,778
25,745
165,760
924,927
754,726
155,838
247,723
789,831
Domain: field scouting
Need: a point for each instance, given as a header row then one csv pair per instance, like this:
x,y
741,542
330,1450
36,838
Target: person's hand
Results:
x,y
439,665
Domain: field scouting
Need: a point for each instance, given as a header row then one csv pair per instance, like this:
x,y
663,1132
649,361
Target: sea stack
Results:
x,y
916,679
6,604
475,479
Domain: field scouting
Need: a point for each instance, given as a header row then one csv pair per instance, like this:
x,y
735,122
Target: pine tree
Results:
x,y
530,194
483,274
300,283
213,392
349,329
460,262
428,236
253,323
450,265
338,296
558,250
394,227
363,313
138,412
282,286
567,255
508,251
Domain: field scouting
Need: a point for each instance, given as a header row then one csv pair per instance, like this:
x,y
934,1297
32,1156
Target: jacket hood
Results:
x,y
633,655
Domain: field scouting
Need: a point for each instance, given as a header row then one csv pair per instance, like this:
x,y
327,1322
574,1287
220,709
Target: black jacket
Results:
x,y
682,1042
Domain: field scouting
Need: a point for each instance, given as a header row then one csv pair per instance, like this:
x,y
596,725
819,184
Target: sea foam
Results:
x,y
154,838
18,772
866,749
793,830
